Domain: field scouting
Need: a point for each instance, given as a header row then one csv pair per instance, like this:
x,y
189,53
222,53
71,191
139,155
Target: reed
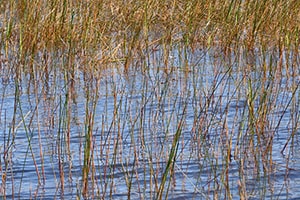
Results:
x,y
142,99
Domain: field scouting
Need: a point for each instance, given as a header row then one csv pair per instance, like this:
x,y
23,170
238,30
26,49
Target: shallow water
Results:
x,y
136,118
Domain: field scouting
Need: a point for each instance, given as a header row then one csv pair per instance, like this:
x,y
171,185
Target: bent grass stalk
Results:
x,y
29,147
172,157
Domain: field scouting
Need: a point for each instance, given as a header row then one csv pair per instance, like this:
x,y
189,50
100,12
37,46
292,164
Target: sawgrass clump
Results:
x,y
149,90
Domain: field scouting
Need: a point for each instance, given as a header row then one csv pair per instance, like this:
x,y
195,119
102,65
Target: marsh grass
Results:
x,y
148,99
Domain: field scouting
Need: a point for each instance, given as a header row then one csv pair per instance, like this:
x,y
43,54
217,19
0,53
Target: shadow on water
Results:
x,y
232,129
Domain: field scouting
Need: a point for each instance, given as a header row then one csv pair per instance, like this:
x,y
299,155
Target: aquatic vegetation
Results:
x,y
152,99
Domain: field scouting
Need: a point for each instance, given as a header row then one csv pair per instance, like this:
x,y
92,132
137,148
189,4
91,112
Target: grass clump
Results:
x,y
142,99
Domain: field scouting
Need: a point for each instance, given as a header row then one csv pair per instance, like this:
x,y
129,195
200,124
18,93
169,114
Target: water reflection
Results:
x,y
224,150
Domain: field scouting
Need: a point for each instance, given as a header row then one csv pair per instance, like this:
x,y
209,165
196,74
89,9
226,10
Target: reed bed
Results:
x,y
152,99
